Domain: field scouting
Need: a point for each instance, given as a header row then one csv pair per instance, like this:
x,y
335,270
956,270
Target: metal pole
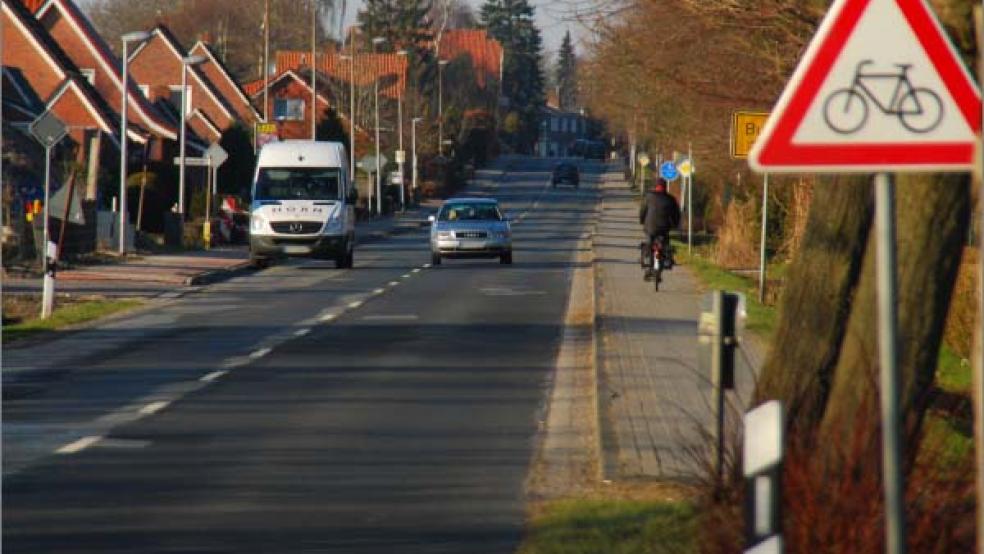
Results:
x,y
207,226
399,117
266,65
413,146
123,155
978,381
48,281
440,109
690,200
314,70
717,370
352,105
379,182
181,147
888,363
765,222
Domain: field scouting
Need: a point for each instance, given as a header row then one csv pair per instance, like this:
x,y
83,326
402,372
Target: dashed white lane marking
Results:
x,y
235,362
426,266
405,276
354,305
327,317
302,332
213,376
391,317
260,353
415,270
154,407
379,291
79,445
394,283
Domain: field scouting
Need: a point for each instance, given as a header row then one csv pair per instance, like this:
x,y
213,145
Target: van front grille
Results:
x,y
296,227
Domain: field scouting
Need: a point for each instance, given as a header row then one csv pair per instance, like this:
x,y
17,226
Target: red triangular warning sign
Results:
x,y
880,88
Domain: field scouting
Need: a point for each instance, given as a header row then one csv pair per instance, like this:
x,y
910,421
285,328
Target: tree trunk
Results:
x,y
815,304
933,215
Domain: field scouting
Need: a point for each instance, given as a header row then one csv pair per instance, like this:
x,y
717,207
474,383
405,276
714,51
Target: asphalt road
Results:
x,y
389,408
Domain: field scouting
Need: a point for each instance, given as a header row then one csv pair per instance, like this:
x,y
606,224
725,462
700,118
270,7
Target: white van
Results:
x,y
303,203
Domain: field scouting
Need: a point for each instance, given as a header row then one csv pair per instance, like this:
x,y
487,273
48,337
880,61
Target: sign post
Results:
x,y
49,131
686,169
643,163
745,130
215,156
834,118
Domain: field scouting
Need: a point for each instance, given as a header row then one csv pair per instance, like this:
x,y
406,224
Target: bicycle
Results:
x,y
919,109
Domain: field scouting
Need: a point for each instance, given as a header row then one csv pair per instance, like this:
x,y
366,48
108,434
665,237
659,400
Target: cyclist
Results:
x,y
659,214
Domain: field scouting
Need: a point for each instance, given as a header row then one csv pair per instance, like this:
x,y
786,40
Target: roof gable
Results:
x,y
163,34
222,72
109,64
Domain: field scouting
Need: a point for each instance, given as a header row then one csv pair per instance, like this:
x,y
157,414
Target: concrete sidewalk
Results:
x,y
655,400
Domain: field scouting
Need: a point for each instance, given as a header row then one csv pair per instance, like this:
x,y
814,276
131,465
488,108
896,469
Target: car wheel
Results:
x,y
506,259
258,263
435,258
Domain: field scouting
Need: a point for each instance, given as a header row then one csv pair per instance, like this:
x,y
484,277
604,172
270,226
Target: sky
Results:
x,y
551,17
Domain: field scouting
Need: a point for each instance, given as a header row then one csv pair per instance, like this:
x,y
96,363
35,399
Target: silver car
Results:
x,y
470,228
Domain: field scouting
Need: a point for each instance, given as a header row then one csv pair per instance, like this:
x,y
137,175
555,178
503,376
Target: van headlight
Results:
x,y
334,225
257,223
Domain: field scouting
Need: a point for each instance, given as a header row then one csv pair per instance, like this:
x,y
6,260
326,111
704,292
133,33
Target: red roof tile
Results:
x,y
485,52
391,68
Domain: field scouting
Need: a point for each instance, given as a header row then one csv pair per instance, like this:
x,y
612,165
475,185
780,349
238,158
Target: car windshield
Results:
x,y
470,212
297,183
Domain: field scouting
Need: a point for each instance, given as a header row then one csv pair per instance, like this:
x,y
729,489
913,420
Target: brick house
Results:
x,y
390,69
223,81
558,131
39,76
156,67
77,37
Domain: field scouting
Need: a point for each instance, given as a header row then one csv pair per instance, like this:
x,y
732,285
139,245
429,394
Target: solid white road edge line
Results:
x,y
79,445
154,407
213,376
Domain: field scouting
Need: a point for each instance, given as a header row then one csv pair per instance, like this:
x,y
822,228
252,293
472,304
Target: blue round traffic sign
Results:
x,y
669,171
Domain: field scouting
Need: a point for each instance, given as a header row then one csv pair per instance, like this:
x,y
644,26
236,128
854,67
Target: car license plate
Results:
x,y
472,245
297,249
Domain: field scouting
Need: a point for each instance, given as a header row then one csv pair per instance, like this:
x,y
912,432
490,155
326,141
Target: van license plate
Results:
x,y
297,249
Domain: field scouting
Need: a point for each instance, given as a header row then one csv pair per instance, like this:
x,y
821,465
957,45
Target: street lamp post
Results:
x,y
185,63
379,182
440,107
136,36
399,117
413,161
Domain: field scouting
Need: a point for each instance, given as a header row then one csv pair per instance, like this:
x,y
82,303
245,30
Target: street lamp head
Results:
x,y
402,52
378,40
442,62
193,60
417,119
136,36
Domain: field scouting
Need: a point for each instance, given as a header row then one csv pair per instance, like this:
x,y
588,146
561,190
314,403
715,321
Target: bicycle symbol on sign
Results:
x,y
919,109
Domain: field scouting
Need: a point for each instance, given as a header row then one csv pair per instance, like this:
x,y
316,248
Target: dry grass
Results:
x,y
737,239
797,211
962,317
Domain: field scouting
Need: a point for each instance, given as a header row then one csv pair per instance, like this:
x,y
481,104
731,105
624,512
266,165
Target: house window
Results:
x,y
288,109
88,74
175,98
144,90
553,124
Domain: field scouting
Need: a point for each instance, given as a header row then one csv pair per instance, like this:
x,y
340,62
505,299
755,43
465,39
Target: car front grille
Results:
x,y
296,227
471,234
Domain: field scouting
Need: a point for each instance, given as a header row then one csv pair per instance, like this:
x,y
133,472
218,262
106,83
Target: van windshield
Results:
x,y
297,183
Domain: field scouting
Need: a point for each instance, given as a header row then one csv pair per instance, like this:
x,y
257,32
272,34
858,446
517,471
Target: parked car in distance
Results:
x,y
470,228
566,173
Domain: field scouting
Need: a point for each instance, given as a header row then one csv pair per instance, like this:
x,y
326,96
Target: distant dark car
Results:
x,y
566,173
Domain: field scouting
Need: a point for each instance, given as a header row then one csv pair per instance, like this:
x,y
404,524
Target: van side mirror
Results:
x,y
431,218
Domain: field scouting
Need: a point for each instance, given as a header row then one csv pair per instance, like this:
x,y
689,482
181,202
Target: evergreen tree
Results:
x,y
566,75
511,23
403,23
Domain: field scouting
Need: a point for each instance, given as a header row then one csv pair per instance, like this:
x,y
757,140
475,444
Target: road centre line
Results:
x,y
394,283
154,407
260,353
213,376
79,445
379,291
302,332
415,270
405,276
354,305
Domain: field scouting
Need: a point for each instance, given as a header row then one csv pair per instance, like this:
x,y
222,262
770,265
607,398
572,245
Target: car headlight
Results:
x,y
257,223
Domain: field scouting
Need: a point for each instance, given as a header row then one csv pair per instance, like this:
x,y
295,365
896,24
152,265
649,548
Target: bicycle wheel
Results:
x,y
920,110
845,111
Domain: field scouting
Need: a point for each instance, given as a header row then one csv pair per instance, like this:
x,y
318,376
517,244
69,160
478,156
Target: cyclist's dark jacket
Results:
x,y
659,213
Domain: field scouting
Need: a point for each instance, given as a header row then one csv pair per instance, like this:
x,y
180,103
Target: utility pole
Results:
x,y
266,60
978,381
314,69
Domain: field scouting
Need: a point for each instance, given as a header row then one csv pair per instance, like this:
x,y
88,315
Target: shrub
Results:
x,y
737,244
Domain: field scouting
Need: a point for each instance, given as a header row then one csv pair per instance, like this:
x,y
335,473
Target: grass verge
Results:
x,y
68,315
761,319
609,526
